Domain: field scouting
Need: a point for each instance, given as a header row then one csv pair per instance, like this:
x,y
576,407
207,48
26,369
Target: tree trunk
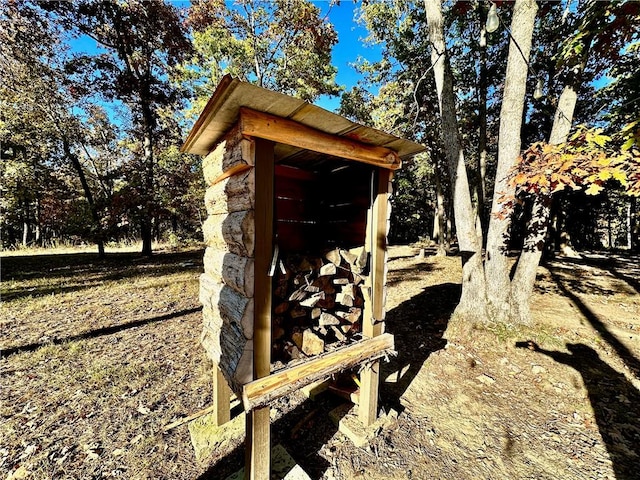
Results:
x,y
38,224
482,119
472,300
438,223
511,114
95,217
146,227
631,224
525,274
25,223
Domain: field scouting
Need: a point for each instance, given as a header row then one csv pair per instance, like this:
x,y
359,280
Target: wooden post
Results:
x,y
258,462
373,324
221,398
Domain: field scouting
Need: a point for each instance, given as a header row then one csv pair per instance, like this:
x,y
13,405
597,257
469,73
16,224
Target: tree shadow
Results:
x,y
617,265
418,325
303,432
623,352
83,271
614,401
409,273
98,332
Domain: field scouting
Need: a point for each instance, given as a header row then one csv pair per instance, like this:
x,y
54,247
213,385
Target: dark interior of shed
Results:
x,y
321,202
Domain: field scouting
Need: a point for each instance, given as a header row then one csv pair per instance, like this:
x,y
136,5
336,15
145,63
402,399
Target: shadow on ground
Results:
x,y
623,352
614,401
418,325
83,271
98,332
303,432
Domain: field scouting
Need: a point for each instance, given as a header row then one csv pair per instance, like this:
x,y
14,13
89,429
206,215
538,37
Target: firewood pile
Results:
x,y
318,302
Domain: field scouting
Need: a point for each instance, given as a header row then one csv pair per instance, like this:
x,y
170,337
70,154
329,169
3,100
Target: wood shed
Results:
x,y
293,289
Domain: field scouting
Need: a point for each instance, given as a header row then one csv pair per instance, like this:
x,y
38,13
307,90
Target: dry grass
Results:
x,y
102,355
99,355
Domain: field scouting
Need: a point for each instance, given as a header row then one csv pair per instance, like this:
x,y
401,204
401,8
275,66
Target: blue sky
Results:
x,y
349,47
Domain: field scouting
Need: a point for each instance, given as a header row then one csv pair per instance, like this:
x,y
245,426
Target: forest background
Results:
x,y
528,111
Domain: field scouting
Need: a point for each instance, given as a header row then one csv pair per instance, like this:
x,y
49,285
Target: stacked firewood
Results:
x,y
318,302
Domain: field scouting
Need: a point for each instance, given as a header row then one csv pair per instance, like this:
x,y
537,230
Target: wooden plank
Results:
x,y
258,428
282,130
258,453
221,398
261,392
372,324
298,174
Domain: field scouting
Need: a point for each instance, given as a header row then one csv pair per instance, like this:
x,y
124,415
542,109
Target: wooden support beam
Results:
x,y
258,466
263,391
282,130
221,398
373,321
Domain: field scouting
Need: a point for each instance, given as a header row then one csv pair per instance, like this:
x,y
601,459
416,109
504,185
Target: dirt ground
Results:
x,y
98,356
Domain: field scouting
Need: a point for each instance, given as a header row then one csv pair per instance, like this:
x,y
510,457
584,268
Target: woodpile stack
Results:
x,y
318,302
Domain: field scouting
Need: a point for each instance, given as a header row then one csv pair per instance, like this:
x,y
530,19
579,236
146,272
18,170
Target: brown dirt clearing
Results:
x,y
98,356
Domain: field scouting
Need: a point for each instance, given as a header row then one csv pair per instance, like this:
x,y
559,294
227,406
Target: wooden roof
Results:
x,y
223,108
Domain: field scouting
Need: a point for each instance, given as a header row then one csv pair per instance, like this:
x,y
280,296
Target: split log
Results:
x,y
210,341
327,319
312,344
234,232
313,300
233,194
361,259
352,316
231,305
233,153
234,270
264,390
334,256
347,295
328,269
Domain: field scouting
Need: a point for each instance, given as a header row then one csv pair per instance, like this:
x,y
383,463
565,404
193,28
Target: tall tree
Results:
x,y
38,104
472,302
283,45
509,147
602,27
142,41
406,104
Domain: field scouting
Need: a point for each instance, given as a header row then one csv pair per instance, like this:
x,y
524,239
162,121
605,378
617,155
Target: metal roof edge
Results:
x,y
223,90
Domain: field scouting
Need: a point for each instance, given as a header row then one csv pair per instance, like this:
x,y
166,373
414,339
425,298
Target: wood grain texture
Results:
x,y
373,325
234,232
282,130
232,194
231,153
233,270
261,392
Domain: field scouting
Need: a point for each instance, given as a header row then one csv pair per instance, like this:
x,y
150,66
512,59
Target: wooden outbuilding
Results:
x,y
298,214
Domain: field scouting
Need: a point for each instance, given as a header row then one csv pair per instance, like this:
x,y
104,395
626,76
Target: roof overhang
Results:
x,y
232,95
